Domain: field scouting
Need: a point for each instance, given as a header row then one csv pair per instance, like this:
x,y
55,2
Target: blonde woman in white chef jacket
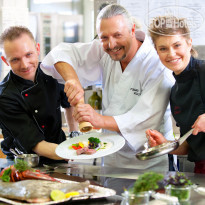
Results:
x,y
136,86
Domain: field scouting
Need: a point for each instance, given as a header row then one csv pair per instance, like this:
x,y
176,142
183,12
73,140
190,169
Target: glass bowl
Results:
x,y
183,193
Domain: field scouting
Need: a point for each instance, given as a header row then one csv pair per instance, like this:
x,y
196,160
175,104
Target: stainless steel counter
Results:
x,y
115,178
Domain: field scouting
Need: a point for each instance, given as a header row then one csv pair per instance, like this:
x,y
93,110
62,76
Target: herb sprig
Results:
x,y
147,181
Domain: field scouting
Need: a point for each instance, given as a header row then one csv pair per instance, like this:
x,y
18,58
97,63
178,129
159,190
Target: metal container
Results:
x,y
162,149
31,159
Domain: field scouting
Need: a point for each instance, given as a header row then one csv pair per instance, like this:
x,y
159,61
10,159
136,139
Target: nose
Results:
x,y
24,63
112,43
171,52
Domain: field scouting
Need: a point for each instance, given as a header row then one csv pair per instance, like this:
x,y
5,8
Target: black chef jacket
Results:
x,y
187,103
31,112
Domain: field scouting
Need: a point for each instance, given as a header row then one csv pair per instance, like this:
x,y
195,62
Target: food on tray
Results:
x,y
38,191
21,171
57,195
89,147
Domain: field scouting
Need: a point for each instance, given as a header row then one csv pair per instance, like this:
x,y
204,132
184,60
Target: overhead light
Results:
x,y
49,1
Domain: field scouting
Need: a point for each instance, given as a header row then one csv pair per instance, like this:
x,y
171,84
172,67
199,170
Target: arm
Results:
x,y
84,112
73,88
72,124
46,149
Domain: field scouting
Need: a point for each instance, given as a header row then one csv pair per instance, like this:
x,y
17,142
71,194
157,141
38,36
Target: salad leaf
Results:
x,y
179,179
6,175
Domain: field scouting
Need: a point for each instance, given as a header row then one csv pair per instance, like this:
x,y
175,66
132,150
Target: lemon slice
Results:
x,y
73,193
57,195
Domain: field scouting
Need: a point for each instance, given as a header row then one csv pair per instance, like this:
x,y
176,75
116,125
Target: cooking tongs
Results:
x,y
162,149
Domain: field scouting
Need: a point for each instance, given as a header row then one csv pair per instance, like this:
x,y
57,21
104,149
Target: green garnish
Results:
x,y
93,142
179,179
147,181
6,175
22,165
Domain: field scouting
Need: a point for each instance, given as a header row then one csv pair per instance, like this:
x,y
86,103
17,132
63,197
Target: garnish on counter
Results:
x,y
179,179
147,181
6,175
22,165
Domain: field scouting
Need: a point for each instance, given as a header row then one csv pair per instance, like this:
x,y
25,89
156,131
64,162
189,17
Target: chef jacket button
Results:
x,y
36,111
26,95
43,126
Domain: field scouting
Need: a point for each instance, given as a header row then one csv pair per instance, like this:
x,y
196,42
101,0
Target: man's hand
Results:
x,y
155,138
85,113
73,88
199,125
74,92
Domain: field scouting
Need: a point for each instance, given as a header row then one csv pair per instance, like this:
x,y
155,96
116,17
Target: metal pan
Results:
x,y
162,149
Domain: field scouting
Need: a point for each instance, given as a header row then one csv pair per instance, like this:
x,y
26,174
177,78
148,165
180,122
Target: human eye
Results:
x,y
162,49
118,35
14,60
29,54
103,38
177,45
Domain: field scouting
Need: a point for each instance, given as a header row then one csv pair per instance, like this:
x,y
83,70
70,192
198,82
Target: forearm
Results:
x,y
109,123
66,71
46,149
182,149
72,124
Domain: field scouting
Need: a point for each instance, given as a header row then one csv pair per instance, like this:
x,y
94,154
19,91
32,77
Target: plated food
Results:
x,y
91,146
111,143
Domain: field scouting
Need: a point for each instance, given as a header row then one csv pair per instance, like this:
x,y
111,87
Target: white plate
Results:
x,y
65,152
100,192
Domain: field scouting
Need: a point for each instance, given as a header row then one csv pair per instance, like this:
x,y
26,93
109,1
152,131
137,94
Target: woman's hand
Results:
x,y
155,138
199,125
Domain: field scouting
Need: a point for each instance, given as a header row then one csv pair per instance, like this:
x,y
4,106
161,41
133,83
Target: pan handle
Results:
x,y
185,136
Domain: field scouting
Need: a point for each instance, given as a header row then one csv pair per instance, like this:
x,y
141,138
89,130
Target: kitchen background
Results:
x,y
55,21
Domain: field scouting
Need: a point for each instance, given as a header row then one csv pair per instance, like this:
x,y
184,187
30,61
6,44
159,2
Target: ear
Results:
x,y
38,48
189,42
4,59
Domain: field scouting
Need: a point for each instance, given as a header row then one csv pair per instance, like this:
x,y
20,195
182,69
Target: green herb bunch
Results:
x,y
179,179
147,181
94,142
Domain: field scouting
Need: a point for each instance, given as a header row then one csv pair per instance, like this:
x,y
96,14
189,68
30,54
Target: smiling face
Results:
x,y
22,55
116,38
174,52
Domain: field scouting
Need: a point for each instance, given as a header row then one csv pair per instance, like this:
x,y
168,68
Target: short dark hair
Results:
x,y
15,32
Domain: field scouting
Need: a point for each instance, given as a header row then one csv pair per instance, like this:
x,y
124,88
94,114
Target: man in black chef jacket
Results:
x,y
30,101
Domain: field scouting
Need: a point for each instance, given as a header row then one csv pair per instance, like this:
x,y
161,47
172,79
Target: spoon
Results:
x,y
13,152
149,153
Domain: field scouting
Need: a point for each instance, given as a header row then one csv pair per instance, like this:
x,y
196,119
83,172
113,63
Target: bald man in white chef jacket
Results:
x,y
136,86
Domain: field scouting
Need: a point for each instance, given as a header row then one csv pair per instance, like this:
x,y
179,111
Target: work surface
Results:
x,y
110,177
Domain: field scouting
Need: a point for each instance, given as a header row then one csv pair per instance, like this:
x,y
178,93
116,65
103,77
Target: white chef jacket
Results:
x,y
137,98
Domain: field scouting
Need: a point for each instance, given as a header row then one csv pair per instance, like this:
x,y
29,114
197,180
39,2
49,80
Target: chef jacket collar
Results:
x,y
188,72
23,83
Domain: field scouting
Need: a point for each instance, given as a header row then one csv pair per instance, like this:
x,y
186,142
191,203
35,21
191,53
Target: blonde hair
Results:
x,y
15,32
170,26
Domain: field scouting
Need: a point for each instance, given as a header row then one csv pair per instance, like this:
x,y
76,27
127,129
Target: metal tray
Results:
x,y
98,192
